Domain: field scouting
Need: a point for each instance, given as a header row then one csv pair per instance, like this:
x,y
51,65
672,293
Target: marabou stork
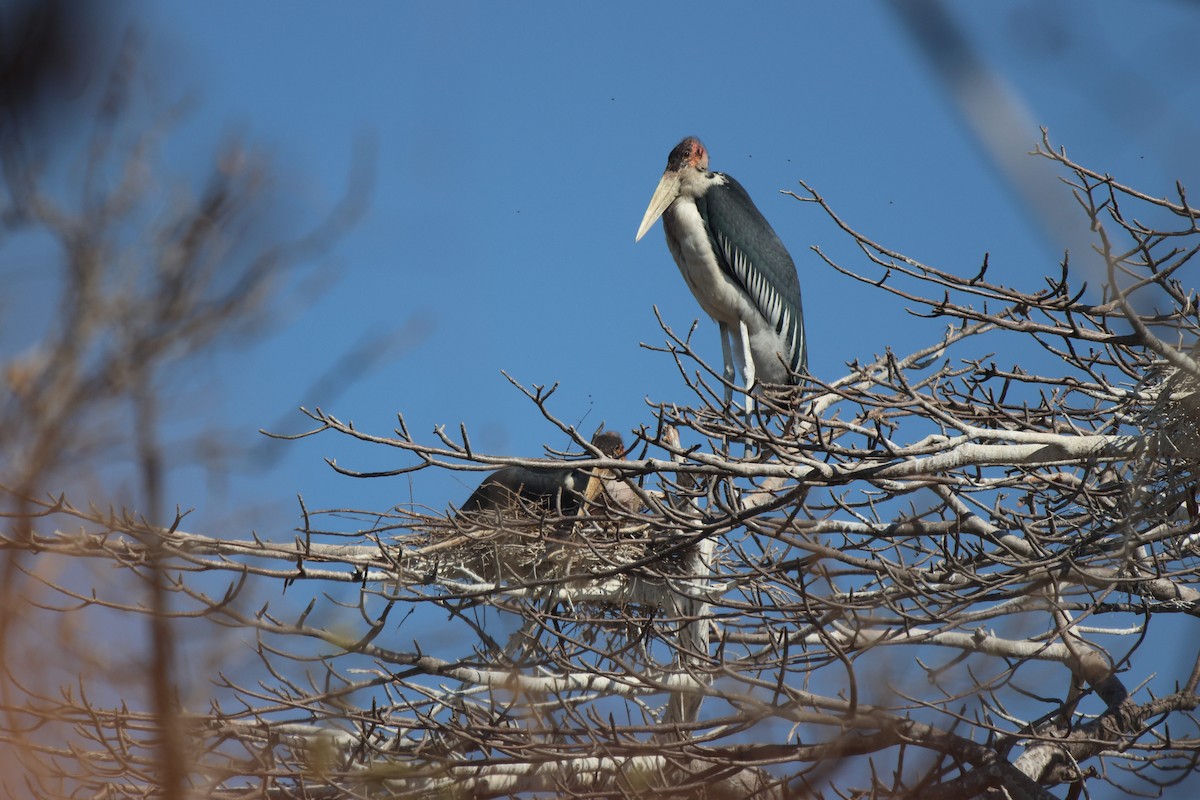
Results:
x,y
735,265
545,489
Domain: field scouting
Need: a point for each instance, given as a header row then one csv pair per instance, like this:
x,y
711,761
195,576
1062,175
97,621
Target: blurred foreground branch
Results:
x,y
120,273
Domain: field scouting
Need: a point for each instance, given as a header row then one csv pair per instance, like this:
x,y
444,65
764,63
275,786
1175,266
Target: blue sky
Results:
x,y
517,147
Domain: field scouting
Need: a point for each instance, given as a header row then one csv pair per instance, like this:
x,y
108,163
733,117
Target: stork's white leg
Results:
x,y
727,354
748,370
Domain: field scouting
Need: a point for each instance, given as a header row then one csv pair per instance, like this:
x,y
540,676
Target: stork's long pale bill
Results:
x,y
664,195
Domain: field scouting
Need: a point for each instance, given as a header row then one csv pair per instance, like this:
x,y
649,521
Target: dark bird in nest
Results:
x,y
544,490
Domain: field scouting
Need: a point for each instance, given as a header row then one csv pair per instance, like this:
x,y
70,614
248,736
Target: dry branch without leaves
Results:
x,y
947,573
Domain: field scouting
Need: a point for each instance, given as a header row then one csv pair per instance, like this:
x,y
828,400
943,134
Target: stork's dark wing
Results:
x,y
547,487
751,253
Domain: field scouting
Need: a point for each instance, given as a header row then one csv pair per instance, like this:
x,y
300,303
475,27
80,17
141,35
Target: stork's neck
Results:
x,y
694,183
